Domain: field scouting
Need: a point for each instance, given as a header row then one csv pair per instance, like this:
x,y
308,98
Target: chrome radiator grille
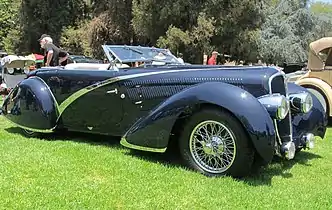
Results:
x,y
278,84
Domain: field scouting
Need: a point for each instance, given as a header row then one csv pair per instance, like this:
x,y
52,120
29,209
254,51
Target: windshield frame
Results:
x,y
143,54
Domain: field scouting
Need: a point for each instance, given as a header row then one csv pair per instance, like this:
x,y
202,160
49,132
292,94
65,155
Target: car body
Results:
x,y
223,119
317,77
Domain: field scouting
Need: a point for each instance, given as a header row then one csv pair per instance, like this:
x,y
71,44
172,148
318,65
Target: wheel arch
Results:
x,y
183,117
322,87
31,105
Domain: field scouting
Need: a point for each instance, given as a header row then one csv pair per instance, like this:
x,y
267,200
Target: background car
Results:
x,y
317,77
82,59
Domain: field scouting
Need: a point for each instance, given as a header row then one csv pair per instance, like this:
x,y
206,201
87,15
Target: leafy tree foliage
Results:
x,y
9,27
276,31
48,16
289,29
76,39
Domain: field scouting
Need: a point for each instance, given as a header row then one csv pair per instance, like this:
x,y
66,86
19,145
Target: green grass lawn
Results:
x,y
79,172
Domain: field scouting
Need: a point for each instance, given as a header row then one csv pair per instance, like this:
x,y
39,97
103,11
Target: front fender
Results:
x,y
320,85
314,121
31,105
152,132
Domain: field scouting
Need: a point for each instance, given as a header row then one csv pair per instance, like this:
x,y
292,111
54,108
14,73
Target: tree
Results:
x,y
48,16
9,24
195,41
289,29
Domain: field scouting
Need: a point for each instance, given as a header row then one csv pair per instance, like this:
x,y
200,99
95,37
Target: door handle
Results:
x,y
112,91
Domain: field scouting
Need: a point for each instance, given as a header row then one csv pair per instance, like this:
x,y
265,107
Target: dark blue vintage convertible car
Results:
x,y
225,120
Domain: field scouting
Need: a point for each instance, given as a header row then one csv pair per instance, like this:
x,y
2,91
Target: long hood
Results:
x,y
253,79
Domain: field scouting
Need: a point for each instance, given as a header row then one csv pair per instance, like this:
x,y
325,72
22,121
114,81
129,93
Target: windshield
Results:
x,y
141,54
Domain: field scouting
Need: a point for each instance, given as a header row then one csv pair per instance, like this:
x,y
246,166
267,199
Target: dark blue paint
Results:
x,y
154,130
31,104
153,103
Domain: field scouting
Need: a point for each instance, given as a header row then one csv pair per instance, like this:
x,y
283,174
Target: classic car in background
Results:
x,y
293,67
317,78
82,59
15,63
223,119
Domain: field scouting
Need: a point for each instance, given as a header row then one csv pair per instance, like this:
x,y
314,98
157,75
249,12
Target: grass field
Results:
x,y
91,172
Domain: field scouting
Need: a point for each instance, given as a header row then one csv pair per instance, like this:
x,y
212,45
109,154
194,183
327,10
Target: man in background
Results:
x,y
213,59
54,56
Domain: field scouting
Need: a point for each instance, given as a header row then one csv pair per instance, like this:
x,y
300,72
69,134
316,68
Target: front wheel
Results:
x,y
214,143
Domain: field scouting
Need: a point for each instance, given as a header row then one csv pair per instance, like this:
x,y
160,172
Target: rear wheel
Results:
x,y
214,143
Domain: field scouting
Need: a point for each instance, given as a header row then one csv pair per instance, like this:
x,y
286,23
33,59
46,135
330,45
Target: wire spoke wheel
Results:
x,y
212,146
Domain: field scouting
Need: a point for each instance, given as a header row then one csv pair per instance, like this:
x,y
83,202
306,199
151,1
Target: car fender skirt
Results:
x,y
31,105
315,121
152,132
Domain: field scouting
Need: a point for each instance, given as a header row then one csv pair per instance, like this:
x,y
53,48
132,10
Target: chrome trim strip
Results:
x,y
107,52
125,143
32,129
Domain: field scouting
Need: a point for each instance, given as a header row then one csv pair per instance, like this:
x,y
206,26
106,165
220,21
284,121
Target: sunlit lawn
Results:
x,y
76,172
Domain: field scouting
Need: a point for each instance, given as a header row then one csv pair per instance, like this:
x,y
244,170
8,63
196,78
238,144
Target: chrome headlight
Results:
x,y
277,105
301,102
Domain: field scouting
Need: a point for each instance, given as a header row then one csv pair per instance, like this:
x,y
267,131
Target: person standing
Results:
x,y
213,59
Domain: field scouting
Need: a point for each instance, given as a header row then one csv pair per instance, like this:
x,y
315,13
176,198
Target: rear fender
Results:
x,y
152,132
31,105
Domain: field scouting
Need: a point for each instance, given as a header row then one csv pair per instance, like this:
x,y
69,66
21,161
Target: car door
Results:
x,y
94,108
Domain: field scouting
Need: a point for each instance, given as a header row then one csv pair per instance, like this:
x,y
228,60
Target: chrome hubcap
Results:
x,y
212,146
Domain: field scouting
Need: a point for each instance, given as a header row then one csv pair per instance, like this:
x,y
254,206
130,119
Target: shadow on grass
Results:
x,y
279,167
171,158
93,139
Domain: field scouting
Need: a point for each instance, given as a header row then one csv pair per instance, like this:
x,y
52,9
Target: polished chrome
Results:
x,y
212,146
309,140
301,102
286,90
113,91
32,129
125,143
277,105
288,149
